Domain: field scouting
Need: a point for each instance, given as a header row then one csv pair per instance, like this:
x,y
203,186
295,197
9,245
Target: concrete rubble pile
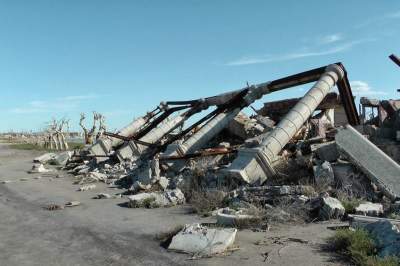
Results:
x,y
314,153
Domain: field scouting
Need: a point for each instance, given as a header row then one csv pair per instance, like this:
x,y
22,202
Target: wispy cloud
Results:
x,y
362,88
379,20
249,60
331,38
393,15
61,104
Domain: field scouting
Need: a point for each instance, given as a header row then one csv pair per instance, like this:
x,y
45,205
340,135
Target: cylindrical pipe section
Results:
x,y
298,115
207,132
157,133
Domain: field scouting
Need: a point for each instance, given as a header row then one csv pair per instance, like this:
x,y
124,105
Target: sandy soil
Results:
x,y
104,232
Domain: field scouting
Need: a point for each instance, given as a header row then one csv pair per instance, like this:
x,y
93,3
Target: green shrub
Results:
x,y
359,247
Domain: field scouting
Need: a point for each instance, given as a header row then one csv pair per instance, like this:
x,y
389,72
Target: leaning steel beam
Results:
x,y
395,59
347,98
256,164
215,125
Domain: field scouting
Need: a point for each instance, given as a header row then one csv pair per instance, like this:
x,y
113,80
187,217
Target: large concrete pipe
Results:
x,y
218,123
255,165
132,149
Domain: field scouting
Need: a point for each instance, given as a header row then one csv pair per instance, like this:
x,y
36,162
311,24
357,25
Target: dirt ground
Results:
x,y
104,232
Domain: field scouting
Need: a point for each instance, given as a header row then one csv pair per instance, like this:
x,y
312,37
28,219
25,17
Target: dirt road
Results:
x,y
103,232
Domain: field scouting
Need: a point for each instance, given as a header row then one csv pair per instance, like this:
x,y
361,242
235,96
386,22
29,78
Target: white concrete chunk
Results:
x,y
370,209
199,240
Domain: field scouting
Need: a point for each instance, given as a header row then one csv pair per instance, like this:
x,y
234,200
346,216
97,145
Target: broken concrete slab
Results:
x,y
103,196
331,209
360,221
87,187
38,168
385,231
323,174
231,217
202,241
370,209
326,151
373,162
244,127
44,158
72,203
61,158
156,199
387,236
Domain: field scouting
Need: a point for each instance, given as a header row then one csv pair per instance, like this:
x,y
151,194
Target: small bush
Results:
x,y
350,205
359,247
148,203
203,202
30,146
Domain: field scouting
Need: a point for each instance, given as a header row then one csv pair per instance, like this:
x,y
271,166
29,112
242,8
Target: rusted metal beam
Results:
x,y
127,138
212,152
347,99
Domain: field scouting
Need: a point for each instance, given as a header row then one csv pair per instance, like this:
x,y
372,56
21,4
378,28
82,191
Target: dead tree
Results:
x,y
88,134
102,125
53,132
60,134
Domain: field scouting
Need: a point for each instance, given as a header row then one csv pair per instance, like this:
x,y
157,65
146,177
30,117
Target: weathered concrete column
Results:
x,y
104,145
132,149
218,123
255,165
207,132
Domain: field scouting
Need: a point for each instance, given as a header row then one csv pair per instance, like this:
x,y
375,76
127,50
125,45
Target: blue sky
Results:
x,y
121,58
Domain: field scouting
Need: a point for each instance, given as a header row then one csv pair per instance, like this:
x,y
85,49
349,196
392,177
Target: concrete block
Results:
x,y
323,174
326,151
230,217
87,187
44,158
157,199
373,162
387,236
203,241
370,209
331,209
38,168
61,158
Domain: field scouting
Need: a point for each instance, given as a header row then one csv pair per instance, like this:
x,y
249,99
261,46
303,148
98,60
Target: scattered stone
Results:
x,y
72,204
97,176
163,182
331,209
38,168
387,236
44,158
202,241
323,174
6,181
103,196
370,209
61,158
24,179
37,177
87,187
54,207
326,151
157,199
230,217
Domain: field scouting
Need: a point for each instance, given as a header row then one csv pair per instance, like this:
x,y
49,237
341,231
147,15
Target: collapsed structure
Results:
x,y
316,139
